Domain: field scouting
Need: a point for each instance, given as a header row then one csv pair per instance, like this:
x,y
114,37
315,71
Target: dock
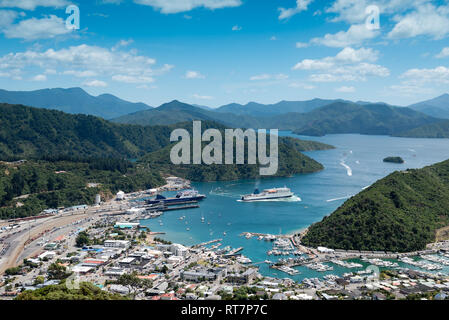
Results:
x,y
233,252
191,206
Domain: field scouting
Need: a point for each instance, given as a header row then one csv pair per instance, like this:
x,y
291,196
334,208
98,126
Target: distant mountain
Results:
x,y
439,129
337,117
437,107
168,113
399,213
341,117
74,101
257,109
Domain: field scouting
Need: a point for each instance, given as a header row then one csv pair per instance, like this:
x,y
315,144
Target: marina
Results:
x,y
256,226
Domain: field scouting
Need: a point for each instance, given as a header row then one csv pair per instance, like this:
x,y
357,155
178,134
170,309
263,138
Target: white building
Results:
x,y
120,195
117,244
178,250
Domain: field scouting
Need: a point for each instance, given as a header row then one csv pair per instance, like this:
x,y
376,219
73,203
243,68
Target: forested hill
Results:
x,y
399,213
31,132
27,132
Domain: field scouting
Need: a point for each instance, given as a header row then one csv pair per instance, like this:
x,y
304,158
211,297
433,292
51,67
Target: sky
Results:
x,y
215,52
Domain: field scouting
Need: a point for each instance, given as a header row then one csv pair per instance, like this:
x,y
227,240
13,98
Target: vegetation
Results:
x,y
394,160
36,133
291,162
82,240
29,188
87,291
399,213
438,129
71,158
318,118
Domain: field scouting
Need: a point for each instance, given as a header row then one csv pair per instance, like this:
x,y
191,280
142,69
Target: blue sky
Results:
x,y
214,52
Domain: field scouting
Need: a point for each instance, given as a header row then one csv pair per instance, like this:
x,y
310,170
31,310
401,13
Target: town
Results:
x,y
106,246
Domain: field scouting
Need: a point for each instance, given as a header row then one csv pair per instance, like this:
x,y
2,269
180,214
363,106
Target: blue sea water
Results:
x,y
355,164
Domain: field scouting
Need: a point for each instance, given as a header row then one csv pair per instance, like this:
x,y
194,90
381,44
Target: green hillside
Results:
x,y
398,213
291,162
438,129
28,189
31,132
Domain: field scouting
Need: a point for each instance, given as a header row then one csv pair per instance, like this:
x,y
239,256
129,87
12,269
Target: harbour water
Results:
x,y
355,164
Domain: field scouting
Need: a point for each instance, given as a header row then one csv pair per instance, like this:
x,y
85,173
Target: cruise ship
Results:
x,y
269,194
183,196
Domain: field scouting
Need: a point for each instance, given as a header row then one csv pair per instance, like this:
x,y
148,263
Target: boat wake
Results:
x,y
292,199
348,168
336,199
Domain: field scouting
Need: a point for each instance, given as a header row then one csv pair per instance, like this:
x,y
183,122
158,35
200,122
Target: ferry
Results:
x,y
268,194
183,196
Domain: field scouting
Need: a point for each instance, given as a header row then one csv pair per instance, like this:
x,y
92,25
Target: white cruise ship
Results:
x,y
269,194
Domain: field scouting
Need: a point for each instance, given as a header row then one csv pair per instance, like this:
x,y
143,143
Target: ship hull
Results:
x,y
266,198
175,200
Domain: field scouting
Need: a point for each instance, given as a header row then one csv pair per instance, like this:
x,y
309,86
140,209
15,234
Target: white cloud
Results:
x,y
438,75
33,4
301,85
236,28
200,97
355,35
32,29
354,11
348,65
80,74
96,84
266,76
301,5
40,77
194,75
122,43
176,6
301,45
273,38
427,20
260,77
7,17
85,60
345,89
444,53
132,79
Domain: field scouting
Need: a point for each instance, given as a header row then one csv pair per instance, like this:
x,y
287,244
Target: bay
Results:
x,y
355,164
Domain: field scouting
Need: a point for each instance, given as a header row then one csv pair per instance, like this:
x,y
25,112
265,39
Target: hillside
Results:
x,y
29,188
398,213
437,107
438,129
257,109
31,132
337,117
291,162
74,101
373,119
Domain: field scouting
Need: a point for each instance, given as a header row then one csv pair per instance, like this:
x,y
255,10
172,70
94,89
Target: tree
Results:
x,y
57,272
82,239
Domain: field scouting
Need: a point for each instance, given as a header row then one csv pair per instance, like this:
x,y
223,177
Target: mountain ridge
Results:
x,y
74,101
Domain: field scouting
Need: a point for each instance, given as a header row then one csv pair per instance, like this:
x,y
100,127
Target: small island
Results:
x,y
394,160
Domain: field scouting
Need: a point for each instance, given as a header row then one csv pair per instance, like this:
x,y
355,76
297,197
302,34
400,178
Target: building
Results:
x,y
117,244
178,250
204,274
243,278
126,225
120,196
